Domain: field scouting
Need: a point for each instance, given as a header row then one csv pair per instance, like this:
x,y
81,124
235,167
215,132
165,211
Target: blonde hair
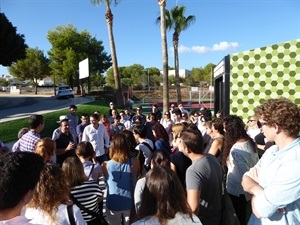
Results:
x,y
45,147
51,191
177,129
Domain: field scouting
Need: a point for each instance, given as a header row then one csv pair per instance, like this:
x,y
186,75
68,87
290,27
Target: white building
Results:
x,y
183,73
46,81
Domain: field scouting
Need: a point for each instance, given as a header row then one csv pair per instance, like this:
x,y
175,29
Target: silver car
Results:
x,y
64,92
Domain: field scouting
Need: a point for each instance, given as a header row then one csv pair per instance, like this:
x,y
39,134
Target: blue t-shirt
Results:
x,y
119,188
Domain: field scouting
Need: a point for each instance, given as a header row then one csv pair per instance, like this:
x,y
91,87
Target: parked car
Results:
x,y
64,92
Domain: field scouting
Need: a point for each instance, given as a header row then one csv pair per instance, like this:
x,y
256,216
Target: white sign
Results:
x,y
194,89
219,69
84,68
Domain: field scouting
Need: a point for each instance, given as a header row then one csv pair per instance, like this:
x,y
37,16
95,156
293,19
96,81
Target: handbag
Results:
x,y
229,216
101,219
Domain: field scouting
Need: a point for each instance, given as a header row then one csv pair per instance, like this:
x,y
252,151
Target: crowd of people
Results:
x,y
160,168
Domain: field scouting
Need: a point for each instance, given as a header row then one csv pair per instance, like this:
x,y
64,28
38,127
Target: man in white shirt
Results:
x,y
96,134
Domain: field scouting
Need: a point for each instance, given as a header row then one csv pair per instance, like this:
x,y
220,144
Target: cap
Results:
x,y
62,118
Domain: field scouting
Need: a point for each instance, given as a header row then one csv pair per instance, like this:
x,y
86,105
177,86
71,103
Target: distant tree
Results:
x,y
200,75
69,47
12,44
208,71
97,80
135,75
34,67
172,79
109,22
176,20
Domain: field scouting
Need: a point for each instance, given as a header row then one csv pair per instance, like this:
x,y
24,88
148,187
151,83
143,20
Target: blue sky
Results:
x,y
222,27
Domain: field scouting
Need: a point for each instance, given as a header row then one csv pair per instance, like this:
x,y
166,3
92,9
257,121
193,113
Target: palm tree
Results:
x,y
162,7
109,22
175,19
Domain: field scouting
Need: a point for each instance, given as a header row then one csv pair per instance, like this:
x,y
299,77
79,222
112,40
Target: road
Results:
x,y
20,106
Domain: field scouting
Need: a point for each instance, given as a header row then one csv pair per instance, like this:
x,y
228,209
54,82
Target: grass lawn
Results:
x,y
9,130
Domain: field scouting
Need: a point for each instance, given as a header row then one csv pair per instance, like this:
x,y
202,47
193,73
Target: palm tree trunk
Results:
x,y
162,6
176,63
118,88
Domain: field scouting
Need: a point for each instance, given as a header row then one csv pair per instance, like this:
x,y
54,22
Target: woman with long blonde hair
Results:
x,y
51,199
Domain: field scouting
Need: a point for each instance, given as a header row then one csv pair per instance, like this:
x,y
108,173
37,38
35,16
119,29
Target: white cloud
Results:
x,y
222,46
200,49
183,49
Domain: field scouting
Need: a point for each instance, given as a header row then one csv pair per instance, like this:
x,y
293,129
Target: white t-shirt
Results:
x,y
62,218
180,218
18,220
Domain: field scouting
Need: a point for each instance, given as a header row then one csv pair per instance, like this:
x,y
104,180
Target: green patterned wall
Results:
x,y
263,73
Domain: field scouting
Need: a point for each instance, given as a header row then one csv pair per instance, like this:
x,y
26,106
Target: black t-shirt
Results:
x,y
62,142
181,163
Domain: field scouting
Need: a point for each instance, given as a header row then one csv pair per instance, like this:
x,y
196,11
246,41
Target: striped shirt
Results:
x,y
88,195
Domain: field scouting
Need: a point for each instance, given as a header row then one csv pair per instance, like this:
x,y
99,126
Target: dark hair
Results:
x,y
35,120
130,138
235,130
193,140
177,112
163,195
192,126
206,113
152,114
217,123
84,115
73,107
85,149
97,116
20,172
160,132
161,158
141,130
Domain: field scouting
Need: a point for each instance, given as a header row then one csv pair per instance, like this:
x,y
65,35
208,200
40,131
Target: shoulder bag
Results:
x,y
90,212
71,214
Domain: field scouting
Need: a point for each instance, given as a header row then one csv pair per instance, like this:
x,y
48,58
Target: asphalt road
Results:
x,y
20,106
